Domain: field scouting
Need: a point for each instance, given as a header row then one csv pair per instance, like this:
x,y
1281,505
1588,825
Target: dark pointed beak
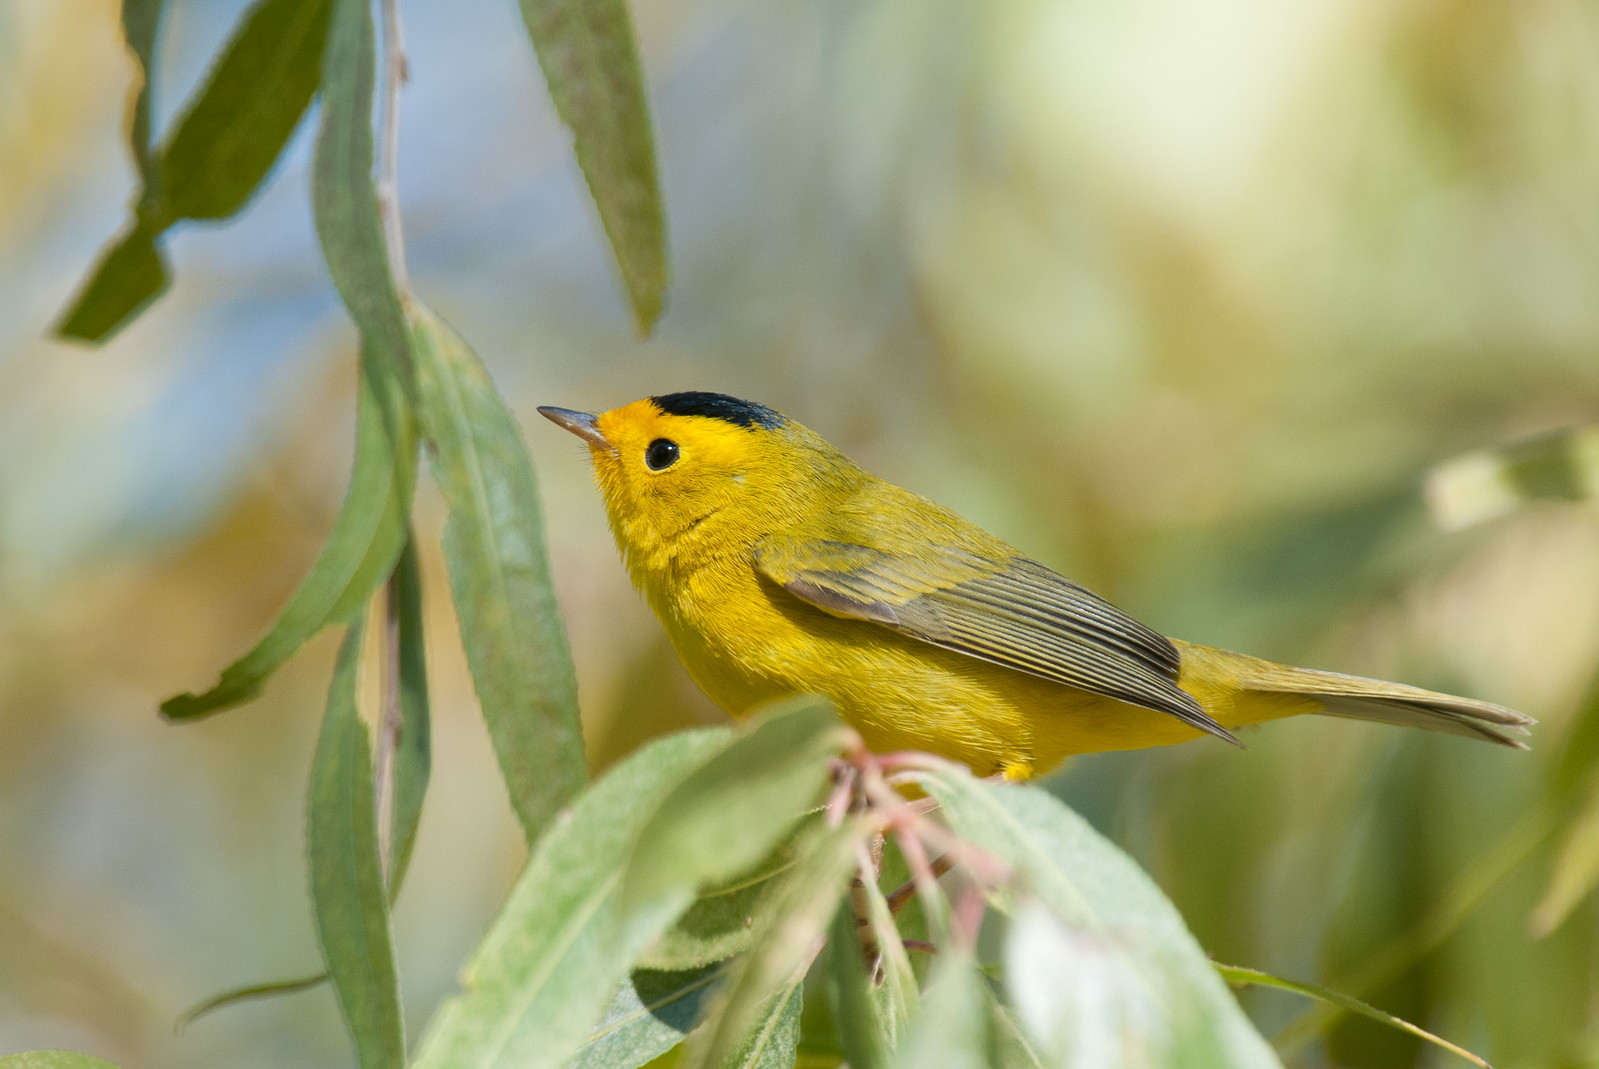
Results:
x,y
586,425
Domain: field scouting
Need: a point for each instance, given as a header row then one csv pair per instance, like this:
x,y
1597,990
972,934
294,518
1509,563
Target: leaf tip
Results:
x,y
648,299
131,273
182,708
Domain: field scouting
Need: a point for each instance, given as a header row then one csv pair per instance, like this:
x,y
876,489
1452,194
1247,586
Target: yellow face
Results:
x,y
693,473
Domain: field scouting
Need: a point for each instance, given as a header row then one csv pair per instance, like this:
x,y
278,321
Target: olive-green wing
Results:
x,y
1016,613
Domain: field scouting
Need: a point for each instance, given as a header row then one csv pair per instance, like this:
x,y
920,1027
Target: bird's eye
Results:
x,y
662,453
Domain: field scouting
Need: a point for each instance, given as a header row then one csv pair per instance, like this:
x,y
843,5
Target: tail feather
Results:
x,y
1359,698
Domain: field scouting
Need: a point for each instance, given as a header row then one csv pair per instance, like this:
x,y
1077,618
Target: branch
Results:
x,y
395,75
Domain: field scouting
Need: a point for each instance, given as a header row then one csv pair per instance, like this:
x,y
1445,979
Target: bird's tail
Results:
x,y
1261,690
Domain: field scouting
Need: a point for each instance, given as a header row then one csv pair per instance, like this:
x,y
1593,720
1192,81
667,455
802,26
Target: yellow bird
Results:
x,y
778,567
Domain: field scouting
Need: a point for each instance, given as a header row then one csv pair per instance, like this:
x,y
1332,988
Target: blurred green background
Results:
x,y
1182,297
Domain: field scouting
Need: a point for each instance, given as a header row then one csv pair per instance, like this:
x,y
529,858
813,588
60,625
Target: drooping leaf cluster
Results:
x,y
633,929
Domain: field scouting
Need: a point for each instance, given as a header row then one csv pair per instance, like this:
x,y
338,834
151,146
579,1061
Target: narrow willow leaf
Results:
x,y
591,65
952,1027
562,942
728,816
772,1043
861,1031
347,888
129,275
236,125
784,945
412,763
236,995
131,272
53,1059
722,920
649,1015
1575,768
1576,868
1479,486
818,1047
500,576
897,994
1101,895
1237,976
223,146
1011,1047
343,196
1098,998
360,551
413,756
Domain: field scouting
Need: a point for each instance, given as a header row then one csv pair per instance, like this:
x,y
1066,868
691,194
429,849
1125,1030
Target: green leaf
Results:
x,y
1098,997
413,756
725,818
1105,906
1576,868
897,994
783,946
1011,1048
359,553
223,147
53,1059
343,196
562,942
721,921
772,1043
412,762
591,66
649,1015
1233,974
235,127
347,887
500,576
1575,767
1479,486
952,1027
129,275
861,1030
131,272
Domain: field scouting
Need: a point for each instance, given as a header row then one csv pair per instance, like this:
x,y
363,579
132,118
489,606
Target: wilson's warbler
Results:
x,y
779,567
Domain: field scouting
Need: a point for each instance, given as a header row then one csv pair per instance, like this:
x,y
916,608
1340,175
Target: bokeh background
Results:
x,y
1183,296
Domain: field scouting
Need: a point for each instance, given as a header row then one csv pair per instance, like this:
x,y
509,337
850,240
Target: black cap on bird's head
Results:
x,y
718,406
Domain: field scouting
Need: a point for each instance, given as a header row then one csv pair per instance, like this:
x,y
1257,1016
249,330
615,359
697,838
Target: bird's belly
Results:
x,y
745,645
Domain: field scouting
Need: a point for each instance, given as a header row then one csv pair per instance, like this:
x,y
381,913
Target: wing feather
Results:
x,y
1015,613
